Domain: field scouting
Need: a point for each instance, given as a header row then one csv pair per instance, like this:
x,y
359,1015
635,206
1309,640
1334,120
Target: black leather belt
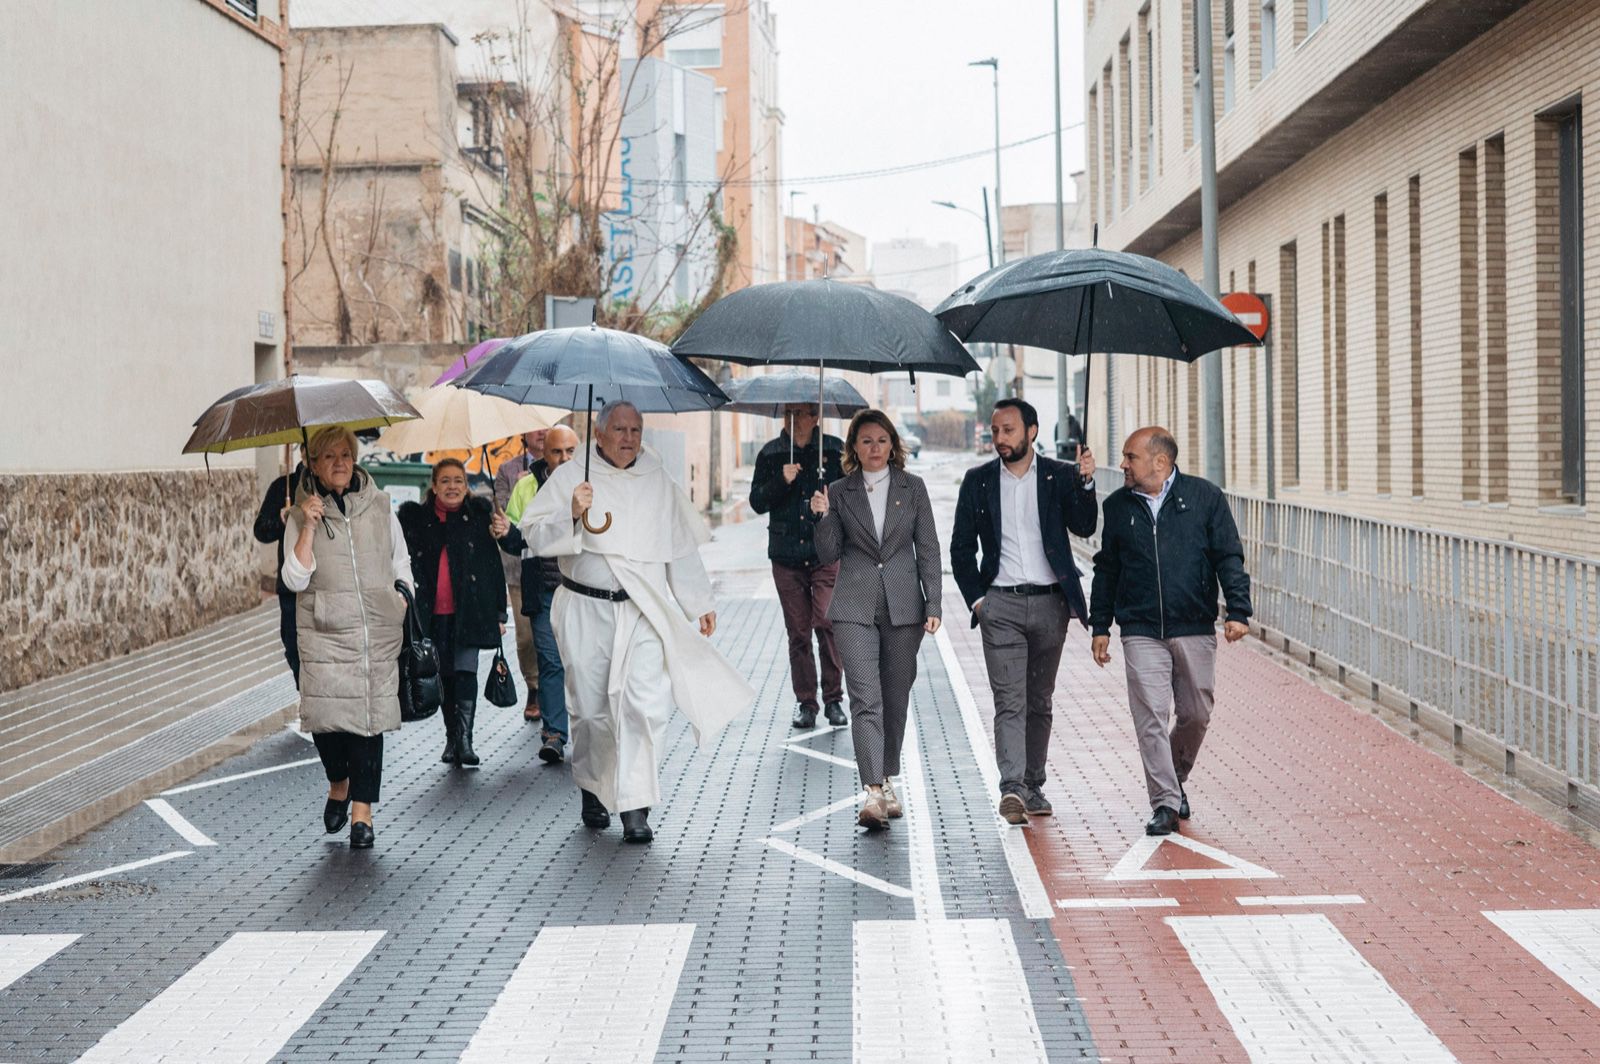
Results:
x,y
1030,589
618,595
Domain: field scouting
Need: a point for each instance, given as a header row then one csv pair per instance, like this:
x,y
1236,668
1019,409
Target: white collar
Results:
x,y
1033,463
1165,487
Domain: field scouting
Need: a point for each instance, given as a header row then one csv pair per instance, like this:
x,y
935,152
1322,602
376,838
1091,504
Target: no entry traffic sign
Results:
x,y
1250,310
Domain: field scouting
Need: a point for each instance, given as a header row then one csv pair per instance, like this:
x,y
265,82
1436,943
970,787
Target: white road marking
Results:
x,y
191,834
202,785
829,865
826,729
1295,989
21,954
1302,899
1024,872
1132,865
57,884
586,994
243,1002
1117,903
832,759
848,802
1567,941
950,990
925,893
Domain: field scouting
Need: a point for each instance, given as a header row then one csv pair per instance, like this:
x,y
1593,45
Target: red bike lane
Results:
x,y
1333,905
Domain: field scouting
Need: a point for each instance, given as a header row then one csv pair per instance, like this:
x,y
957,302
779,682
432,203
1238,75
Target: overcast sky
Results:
x,y
867,84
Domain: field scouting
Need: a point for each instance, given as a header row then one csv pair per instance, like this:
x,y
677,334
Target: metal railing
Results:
x,y
1494,636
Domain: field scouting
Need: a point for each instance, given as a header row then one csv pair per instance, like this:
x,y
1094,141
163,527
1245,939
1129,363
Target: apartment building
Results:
x,y
1404,182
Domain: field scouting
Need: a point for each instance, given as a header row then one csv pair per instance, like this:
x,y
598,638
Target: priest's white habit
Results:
x,y
629,662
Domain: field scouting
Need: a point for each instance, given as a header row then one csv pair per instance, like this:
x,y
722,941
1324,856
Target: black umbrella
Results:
x,y
571,368
824,323
768,395
1087,300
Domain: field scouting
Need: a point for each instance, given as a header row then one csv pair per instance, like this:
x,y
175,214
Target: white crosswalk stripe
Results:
x,y
1295,989
21,954
586,994
240,1004
941,990
1567,941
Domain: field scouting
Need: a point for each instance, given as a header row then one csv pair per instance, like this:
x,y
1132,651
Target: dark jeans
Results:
x,y
357,758
552,674
289,634
804,592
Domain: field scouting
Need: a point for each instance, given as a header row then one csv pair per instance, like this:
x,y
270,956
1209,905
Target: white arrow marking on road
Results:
x,y
948,990
57,884
832,759
1132,865
586,993
191,834
243,1002
1117,903
21,954
829,865
1294,989
203,784
1567,941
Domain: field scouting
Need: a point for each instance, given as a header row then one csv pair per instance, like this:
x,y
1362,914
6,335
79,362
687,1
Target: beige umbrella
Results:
x,y
456,419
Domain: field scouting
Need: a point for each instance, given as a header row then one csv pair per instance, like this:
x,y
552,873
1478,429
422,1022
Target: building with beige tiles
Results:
x,y
1403,181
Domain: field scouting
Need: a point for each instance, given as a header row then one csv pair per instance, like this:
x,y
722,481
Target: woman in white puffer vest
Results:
x,y
347,552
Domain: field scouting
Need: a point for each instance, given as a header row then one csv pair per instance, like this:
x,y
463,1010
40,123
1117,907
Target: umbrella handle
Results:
x,y
594,530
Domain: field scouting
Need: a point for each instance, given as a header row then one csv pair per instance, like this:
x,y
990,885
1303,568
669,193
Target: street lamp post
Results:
x,y
1210,365
993,63
787,224
988,238
1063,407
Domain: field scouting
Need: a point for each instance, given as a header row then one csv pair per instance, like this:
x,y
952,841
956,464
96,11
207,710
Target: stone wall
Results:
x,y
93,565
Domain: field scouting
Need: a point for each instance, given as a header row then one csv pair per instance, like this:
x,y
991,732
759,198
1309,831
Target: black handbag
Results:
x,y
500,688
421,690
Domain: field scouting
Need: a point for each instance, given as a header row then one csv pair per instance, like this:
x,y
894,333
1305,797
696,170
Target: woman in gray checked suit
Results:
x,y
878,524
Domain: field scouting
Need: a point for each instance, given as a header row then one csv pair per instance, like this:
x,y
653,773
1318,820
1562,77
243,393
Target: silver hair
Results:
x,y
603,418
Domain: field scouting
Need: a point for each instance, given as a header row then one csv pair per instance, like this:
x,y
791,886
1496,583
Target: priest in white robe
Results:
x,y
632,617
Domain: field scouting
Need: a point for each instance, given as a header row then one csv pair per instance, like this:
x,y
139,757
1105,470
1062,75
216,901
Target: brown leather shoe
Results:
x,y
891,802
873,816
530,712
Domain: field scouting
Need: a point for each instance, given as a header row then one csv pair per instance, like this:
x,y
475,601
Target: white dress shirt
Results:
x,y
1155,501
877,497
1022,557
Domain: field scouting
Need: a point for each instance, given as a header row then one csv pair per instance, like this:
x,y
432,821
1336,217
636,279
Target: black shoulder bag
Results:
x,y
421,691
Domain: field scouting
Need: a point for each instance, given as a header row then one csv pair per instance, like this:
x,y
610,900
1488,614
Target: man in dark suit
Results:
x,y
1019,508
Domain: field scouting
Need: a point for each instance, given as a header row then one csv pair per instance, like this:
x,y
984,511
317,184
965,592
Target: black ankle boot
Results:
x,y
466,709
451,753
594,813
636,826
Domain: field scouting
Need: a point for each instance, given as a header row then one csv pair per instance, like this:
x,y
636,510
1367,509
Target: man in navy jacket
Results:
x,y
1019,508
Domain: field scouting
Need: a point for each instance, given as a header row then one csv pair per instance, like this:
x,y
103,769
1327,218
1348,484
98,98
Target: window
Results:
x,y
1496,472
1287,327
680,169
1125,102
471,269
247,8
1316,14
1228,57
1467,282
1147,70
1558,181
1269,36
1414,299
720,115
455,270
1380,332
695,36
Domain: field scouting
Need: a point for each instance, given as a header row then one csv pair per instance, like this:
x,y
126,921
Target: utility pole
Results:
x,y
1210,365
1063,406
1006,386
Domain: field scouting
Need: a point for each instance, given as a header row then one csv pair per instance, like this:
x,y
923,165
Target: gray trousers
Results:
x,y
1163,674
880,665
1022,638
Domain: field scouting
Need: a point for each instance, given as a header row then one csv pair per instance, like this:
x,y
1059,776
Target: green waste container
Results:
x,y
404,481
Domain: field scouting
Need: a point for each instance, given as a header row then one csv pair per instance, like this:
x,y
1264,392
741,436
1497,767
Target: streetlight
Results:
x,y
988,240
993,64
1063,408
788,222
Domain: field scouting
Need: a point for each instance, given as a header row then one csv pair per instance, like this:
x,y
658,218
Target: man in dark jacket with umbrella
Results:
x,y
1168,542
786,476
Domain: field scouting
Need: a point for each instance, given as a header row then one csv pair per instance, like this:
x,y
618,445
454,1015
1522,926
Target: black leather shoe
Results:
x,y
834,712
335,815
805,717
1164,822
594,813
361,836
552,751
636,826
465,712
1183,805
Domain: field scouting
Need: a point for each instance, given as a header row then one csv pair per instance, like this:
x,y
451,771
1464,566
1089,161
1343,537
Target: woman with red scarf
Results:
x,y
460,591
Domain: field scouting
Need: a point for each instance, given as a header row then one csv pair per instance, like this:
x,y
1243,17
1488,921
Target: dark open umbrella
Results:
x,y
571,368
824,323
769,394
1087,300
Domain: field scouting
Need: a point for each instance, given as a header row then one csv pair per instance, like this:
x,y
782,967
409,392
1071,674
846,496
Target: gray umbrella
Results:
x,y
769,394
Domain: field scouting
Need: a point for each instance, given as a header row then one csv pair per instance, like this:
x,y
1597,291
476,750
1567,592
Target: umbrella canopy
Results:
x,y
768,394
289,410
824,322
1087,300
467,361
455,418
573,368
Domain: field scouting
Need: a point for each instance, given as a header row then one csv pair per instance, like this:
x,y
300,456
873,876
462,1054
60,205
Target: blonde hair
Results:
x,y
325,438
897,450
